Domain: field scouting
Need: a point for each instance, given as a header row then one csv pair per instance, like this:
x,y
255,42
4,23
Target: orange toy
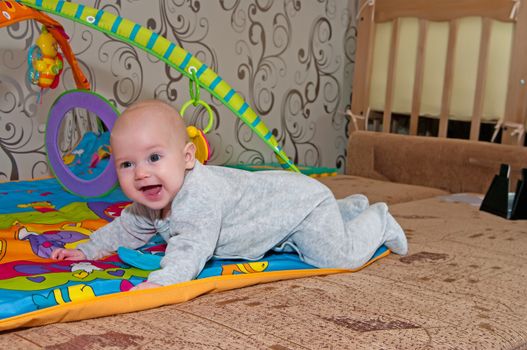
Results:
x,y
13,12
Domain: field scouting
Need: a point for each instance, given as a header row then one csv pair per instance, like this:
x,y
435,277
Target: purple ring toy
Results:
x,y
107,180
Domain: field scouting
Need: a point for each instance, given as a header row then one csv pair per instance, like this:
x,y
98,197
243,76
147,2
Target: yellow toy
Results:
x,y
196,135
45,63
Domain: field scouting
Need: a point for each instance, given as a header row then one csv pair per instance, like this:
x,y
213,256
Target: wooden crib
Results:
x,y
448,60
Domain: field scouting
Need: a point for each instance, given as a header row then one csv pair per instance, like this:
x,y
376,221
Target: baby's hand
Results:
x,y
67,254
145,285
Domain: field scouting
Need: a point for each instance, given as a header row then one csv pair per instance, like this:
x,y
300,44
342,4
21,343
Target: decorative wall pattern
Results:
x,y
291,60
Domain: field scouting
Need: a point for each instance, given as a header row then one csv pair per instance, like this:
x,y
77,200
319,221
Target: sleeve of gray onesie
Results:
x,y
195,223
132,229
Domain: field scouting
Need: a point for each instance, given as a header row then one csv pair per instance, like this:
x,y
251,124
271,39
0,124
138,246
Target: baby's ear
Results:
x,y
190,155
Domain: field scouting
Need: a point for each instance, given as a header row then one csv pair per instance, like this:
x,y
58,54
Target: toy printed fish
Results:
x,y
59,296
251,267
41,206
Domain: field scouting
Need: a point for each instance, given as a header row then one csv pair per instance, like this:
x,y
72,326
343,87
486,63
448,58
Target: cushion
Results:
x,y
376,190
450,164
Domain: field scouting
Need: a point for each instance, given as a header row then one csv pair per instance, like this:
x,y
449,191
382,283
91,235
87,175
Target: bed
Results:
x,y
461,286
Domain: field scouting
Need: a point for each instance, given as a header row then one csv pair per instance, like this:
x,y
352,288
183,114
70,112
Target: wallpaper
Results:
x,y
291,60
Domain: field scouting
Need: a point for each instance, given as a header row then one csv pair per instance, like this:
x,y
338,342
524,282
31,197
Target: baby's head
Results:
x,y
152,153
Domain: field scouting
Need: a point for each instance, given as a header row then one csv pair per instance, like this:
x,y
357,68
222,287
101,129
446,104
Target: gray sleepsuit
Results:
x,y
229,213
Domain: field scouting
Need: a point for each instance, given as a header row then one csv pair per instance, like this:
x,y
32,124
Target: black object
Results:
x,y
499,201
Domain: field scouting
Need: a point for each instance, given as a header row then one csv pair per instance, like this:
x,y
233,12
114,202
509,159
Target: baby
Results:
x,y
205,211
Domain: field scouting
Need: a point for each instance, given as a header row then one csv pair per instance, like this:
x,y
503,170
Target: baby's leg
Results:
x,y
352,206
325,240
372,228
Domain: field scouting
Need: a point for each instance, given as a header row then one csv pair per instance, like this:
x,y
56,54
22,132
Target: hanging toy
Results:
x,y
45,63
196,135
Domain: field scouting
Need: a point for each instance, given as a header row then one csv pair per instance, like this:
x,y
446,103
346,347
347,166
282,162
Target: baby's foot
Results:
x,y
352,206
395,237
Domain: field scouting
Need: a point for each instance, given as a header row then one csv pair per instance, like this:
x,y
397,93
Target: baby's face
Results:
x,y
151,161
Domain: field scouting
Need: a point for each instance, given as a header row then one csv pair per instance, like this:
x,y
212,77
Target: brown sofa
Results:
x,y
462,286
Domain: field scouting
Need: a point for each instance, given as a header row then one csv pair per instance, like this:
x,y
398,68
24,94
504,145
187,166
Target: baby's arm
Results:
x,y
67,254
186,254
195,227
132,229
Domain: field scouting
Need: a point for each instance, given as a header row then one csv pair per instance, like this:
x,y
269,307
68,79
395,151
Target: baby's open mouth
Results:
x,y
151,189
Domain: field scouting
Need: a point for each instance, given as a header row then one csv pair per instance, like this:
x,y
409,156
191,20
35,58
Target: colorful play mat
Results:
x,y
37,216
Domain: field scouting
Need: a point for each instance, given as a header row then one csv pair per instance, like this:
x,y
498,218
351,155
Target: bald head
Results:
x,y
151,116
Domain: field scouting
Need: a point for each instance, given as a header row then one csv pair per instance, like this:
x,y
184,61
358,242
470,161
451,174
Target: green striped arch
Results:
x,y
172,54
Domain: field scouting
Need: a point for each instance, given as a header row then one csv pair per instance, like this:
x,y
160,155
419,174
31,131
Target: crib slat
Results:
x,y
419,74
363,66
392,63
481,79
448,79
516,105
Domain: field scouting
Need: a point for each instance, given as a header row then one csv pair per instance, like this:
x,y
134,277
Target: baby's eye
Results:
x,y
154,157
125,165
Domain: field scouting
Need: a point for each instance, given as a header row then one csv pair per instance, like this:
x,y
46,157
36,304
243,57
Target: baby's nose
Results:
x,y
141,172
